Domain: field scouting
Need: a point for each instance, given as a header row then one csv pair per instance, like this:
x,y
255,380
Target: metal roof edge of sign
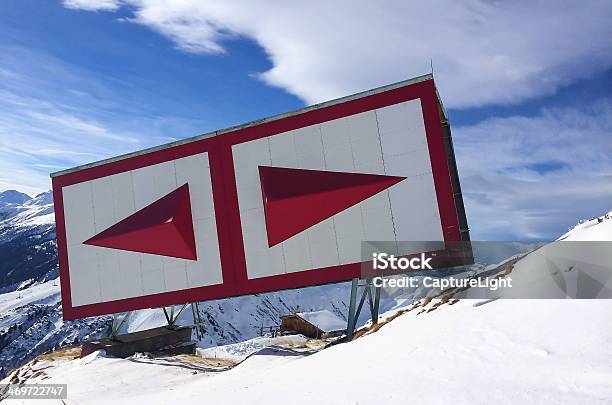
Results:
x,y
396,85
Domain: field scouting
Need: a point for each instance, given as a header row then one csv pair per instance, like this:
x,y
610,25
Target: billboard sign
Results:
x,y
280,203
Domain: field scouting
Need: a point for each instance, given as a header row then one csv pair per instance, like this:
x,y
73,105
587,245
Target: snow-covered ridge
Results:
x,y
13,197
591,229
13,203
25,215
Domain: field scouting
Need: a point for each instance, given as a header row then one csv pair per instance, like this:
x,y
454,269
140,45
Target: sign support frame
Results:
x,y
355,310
116,327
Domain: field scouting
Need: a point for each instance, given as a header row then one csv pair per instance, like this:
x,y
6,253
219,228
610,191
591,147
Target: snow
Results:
x,y
514,351
45,198
33,216
44,293
19,219
238,352
598,232
45,219
596,229
14,203
324,320
466,352
13,197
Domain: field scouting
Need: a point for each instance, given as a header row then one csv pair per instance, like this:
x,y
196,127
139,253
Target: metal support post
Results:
x,y
376,305
195,321
350,327
172,318
355,309
116,326
361,301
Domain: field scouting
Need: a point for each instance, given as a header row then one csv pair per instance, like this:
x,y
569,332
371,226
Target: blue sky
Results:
x,y
527,87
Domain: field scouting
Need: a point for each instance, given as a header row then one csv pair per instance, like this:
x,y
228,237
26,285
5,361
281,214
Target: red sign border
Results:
x,y
225,197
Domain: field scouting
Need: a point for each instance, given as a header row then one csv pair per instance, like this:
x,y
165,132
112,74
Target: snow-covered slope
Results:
x,y
27,240
435,352
11,202
31,324
18,210
439,352
599,228
510,352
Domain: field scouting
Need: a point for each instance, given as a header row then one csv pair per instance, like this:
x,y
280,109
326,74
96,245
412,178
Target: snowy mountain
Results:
x,y
27,240
30,311
10,198
431,352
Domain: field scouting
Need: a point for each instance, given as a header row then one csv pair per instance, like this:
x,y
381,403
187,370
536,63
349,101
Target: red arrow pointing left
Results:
x,y
163,228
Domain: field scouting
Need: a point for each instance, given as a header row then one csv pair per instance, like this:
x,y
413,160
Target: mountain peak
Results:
x,y
45,198
14,197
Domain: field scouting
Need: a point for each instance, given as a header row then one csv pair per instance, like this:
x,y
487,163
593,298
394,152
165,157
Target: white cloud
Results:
x,y
93,5
484,52
532,176
553,168
91,128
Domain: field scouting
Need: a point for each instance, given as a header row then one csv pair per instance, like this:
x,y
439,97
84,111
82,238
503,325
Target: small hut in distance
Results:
x,y
317,324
